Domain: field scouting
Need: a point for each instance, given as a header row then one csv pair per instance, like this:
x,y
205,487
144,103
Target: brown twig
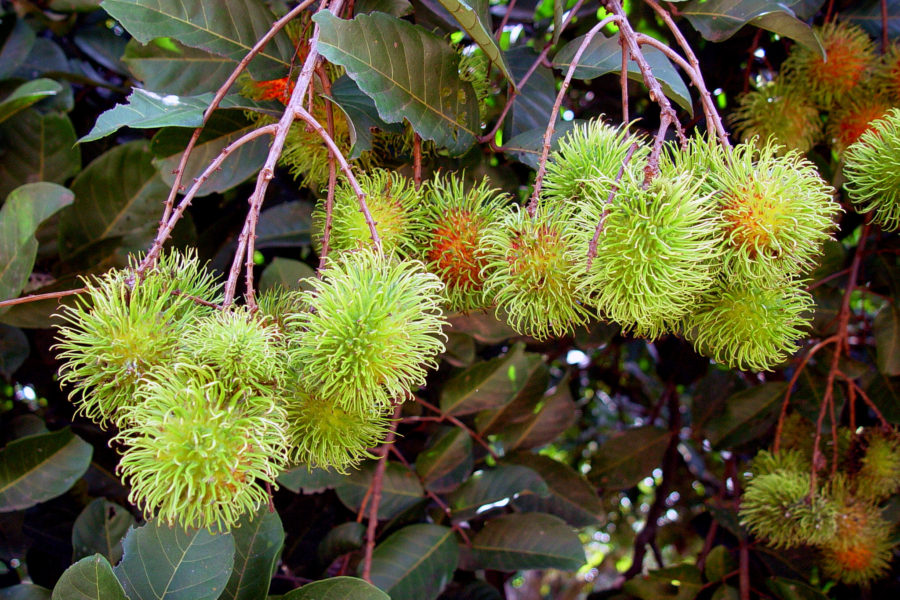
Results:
x,y
417,160
39,297
623,79
332,175
377,482
509,8
592,247
751,54
474,435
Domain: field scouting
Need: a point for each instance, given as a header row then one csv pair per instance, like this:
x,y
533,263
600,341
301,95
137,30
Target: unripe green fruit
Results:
x,y
781,113
879,473
872,169
861,549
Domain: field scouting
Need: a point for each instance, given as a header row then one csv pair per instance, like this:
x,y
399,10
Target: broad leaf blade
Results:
x,y
493,485
164,563
400,489
551,416
228,28
629,456
887,340
342,539
527,541
474,18
91,578
174,68
37,147
531,108
27,94
25,591
37,468
416,562
486,385
14,349
661,584
303,480
285,273
748,415
99,529
397,64
337,588
527,146
361,113
447,460
570,496
257,543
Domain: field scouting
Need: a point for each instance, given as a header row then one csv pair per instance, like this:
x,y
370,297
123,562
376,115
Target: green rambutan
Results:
x,y
456,221
855,116
373,328
872,171
196,451
656,252
592,153
396,208
531,276
792,461
879,474
474,67
781,113
325,435
750,324
849,55
887,73
777,507
120,328
860,550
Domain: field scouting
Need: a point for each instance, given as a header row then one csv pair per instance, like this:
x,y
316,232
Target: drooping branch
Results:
x,y
592,247
375,498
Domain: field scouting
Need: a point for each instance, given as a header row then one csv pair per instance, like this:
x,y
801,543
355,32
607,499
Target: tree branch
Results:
x,y
375,500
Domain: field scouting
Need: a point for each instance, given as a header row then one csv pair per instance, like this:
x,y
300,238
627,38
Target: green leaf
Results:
x,y
400,489
527,541
604,55
337,588
91,578
302,479
446,461
361,113
286,273
223,128
459,349
416,562
37,147
342,539
628,456
570,495
25,591
531,108
677,583
286,225
486,385
527,146
102,45
884,391
494,485
25,209
174,68
522,407
484,327
396,8
74,5
27,94
726,592
868,16
119,194
719,563
228,28
165,563
397,64
475,19
16,47
99,529
748,415
718,20
886,328
14,349
791,589
37,468
551,416
258,539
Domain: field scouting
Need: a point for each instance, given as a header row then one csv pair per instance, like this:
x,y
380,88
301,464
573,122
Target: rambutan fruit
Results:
x,y
850,54
855,116
373,328
872,171
456,221
749,323
879,474
326,435
656,252
887,73
121,327
196,451
396,207
780,113
272,89
474,67
590,153
531,277
792,461
860,550
777,507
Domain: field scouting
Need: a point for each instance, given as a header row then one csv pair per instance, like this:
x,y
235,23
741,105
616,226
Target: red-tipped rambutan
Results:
x,y
855,116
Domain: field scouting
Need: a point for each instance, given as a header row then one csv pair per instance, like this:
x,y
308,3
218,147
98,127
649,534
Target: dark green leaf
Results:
x,y
396,8
884,392
223,128
37,147
604,55
886,328
726,592
494,485
284,226
74,5
164,563
342,539
791,589
14,349
527,146
570,496
16,47
532,106
301,479
446,461
628,456
459,349
486,385
257,543
527,541
400,489
677,583
27,94
719,563
475,19
522,407
361,113
91,578
103,46
748,415
718,20
173,68
484,327
37,468
285,273
416,562
25,591
396,63
24,210
551,416
118,195
868,16
99,529
228,28
337,588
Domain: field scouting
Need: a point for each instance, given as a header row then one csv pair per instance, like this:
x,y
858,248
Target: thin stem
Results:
x,y
509,8
417,160
623,80
332,183
39,297
461,425
377,483
592,247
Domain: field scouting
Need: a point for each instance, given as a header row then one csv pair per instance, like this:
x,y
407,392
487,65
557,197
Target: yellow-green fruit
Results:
x,y
872,171
781,113
860,550
879,473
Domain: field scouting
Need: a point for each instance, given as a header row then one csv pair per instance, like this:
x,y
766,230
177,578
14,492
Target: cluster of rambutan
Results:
x,y
831,99
212,403
841,516
712,248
